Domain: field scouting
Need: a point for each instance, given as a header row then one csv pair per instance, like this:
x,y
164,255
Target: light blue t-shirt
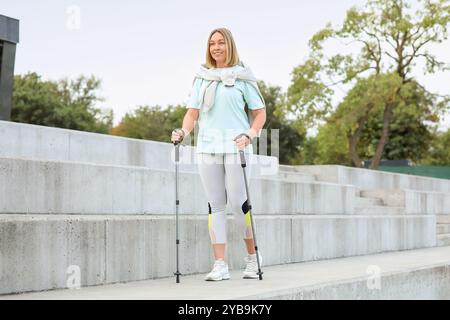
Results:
x,y
227,117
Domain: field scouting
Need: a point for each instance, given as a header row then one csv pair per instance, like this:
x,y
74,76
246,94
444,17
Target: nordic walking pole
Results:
x,y
177,202
243,165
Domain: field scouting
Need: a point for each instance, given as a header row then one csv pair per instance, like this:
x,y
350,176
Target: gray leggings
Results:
x,y
223,180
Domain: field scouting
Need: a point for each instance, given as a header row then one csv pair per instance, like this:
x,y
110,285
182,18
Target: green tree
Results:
x,y
309,151
411,127
332,145
291,134
65,103
439,150
391,40
150,122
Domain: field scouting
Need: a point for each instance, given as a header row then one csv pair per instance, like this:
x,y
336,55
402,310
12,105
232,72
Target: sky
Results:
x,y
147,52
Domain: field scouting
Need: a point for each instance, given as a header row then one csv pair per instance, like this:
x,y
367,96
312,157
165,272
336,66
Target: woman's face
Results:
x,y
218,49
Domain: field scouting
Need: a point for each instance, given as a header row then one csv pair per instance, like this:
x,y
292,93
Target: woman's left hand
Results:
x,y
241,142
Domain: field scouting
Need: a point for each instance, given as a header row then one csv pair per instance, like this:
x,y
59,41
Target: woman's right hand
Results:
x,y
178,135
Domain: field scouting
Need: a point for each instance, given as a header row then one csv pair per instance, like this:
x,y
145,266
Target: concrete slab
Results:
x,y
105,205
376,210
372,179
443,218
412,274
443,239
40,252
66,187
414,201
367,202
27,141
442,228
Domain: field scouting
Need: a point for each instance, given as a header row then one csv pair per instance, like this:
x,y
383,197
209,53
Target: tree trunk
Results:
x,y
352,142
353,138
387,115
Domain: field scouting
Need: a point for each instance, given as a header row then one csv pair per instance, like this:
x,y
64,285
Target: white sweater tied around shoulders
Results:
x,y
228,78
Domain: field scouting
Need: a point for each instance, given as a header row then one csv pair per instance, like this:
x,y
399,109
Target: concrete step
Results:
x,y
443,228
392,197
414,201
64,187
27,141
411,274
443,218
375,179
288,168
295,177
380,210
367,202
443,239
39,250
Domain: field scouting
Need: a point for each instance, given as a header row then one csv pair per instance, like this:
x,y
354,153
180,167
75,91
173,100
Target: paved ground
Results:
x,y
277,279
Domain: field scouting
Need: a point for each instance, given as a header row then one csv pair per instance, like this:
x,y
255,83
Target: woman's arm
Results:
x,y
189,120
259,119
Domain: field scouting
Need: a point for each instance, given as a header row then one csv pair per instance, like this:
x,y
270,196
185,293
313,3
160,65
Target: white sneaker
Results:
x,y
219,272
251,269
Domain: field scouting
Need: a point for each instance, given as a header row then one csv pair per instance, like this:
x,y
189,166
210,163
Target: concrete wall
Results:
x,y
39,252
372,179
34,186
413,201
430,283
107,204
54,144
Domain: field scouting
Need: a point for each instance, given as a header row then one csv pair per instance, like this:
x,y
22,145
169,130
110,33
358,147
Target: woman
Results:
x,y
221,89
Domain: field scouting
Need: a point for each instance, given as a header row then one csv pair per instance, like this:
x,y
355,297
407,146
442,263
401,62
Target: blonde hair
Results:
x,y
232,54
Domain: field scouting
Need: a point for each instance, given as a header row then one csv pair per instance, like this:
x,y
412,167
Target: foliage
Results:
x,y
64,104
390,40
